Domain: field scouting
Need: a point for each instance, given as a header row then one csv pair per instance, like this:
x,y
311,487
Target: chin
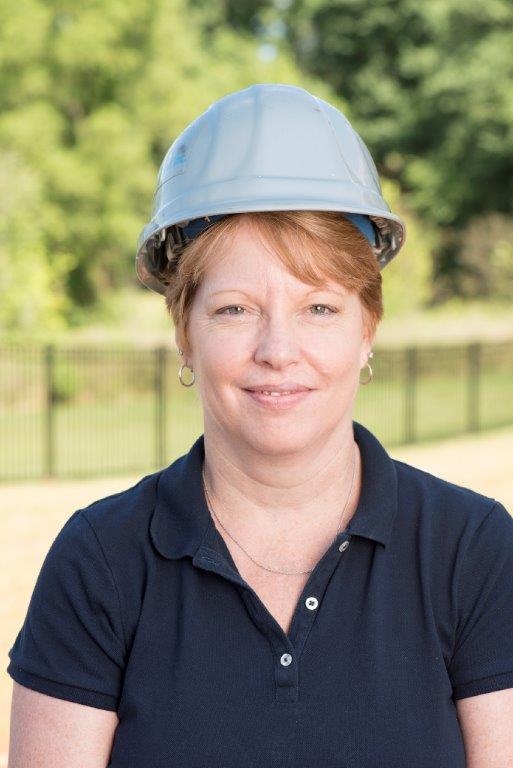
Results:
x,y
279,438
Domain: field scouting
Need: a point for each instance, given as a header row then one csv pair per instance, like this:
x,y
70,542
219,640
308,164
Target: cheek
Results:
x,y
336,358
343,372
221,360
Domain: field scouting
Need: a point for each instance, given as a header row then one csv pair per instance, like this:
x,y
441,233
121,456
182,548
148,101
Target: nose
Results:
x,y
277,343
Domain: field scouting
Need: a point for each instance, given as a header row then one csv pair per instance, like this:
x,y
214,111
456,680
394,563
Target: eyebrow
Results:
x,y
314,290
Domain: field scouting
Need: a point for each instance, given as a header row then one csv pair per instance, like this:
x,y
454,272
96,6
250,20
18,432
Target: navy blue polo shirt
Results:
x,y
139,608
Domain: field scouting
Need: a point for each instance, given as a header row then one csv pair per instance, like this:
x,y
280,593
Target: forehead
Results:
x,y
245,257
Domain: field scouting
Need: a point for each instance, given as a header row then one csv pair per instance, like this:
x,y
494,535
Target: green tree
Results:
x,y
32,288
91,96
430,88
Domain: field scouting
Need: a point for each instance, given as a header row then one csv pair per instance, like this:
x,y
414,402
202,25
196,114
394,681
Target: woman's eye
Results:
x,y
234,306
227,310
324,306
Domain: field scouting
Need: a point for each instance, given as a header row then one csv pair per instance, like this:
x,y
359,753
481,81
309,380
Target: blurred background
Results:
x,y
92,95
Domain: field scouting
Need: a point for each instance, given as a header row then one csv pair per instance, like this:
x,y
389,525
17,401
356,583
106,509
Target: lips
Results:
x,y
276,393
278,400
278,389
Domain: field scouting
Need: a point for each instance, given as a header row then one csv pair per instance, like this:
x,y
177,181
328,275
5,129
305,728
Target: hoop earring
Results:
x,y
369,379
180,376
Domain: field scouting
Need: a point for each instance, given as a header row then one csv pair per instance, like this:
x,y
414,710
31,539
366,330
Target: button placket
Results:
x,y
286,663
286,675
307,610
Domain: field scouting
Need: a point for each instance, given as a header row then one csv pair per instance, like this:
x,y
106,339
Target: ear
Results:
x,y
367,342
183,345
180,340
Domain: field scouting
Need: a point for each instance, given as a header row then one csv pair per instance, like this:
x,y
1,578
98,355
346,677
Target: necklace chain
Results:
x,y
260,565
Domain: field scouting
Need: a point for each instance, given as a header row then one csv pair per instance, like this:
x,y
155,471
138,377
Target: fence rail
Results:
x,y
82,412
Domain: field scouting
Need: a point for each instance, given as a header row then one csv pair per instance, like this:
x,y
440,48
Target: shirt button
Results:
x,y
286,659
343,546
311,603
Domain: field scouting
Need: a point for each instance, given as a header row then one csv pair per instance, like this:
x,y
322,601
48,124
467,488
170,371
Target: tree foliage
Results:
x,y
430,87
91,97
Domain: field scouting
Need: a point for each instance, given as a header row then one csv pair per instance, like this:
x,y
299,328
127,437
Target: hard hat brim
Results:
x,y
147,266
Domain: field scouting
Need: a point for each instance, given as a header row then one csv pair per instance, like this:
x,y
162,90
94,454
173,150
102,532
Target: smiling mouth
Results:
x,y
276,394
274,400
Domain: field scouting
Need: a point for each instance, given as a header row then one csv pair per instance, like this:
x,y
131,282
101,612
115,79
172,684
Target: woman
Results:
x,y
286,593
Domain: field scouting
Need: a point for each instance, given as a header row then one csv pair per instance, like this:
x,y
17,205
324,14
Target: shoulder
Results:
x,y
440,503
459,539
121,520
112,533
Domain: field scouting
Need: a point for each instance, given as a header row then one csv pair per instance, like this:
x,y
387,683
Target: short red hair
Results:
x,y
313,245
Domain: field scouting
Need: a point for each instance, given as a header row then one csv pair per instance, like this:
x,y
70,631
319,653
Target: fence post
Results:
x,y
410,394
49,432
160,411
474,376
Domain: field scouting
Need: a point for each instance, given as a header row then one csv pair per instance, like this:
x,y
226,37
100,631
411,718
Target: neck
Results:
x,y
257,495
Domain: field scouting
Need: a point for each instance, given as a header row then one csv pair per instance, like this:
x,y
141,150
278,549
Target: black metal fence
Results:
x,y
84,412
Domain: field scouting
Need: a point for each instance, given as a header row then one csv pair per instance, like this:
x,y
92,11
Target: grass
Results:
x,y
107,416
454,322
115,428
137,317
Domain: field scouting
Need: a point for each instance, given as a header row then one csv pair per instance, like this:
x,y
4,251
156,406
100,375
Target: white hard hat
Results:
x,y
268,147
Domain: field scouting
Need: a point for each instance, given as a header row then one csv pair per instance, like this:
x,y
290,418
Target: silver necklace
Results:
x,y
260,565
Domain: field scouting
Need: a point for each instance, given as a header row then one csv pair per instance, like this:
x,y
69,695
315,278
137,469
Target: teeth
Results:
x,y
275,394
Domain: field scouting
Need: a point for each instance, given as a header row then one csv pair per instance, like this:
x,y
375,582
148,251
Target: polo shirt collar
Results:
x,y
181,518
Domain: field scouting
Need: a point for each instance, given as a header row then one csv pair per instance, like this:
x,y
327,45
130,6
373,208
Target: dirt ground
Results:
x,y
32,513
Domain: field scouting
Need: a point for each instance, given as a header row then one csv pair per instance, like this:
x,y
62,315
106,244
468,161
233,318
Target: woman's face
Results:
x,y
254,325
